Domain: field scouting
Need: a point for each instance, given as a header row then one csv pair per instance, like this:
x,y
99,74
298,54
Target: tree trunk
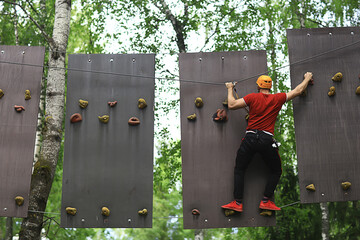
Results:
x,y
9,229
324,221
199,234
16,32
44,168
178,25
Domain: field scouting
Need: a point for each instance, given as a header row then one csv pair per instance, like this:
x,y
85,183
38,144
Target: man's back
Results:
x,y
264,109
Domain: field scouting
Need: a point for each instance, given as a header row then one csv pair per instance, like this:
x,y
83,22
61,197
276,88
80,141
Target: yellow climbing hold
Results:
x,y
142,103
331,91
19,200
105,211
357,90
247,117
143,212
192,117
199,102
267,213
225,103
346,185
71,211
83,103
229,212
310,187
27,95
337,77
1,93
104,118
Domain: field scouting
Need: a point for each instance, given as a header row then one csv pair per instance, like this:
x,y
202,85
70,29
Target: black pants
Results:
x,y
258,142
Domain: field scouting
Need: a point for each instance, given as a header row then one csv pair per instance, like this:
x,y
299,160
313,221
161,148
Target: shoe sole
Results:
x,y
229,208
265,208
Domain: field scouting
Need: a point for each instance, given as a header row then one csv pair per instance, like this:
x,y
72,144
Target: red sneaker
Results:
x,y
233,206
269,205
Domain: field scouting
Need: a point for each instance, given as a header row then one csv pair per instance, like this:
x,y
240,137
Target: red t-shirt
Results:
x,y
264,109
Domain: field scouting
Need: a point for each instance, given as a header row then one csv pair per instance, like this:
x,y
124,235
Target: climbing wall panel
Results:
x,y
327,128
20,70
209,148
109,164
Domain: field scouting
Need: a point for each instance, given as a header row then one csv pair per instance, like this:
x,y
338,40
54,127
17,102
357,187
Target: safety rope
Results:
x,y
185,80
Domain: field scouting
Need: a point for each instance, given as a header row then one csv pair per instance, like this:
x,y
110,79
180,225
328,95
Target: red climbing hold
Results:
x,y
19,108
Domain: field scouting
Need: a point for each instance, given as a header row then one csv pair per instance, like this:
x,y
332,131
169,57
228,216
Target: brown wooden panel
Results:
x,y
209,148
18,130
109,164
327,128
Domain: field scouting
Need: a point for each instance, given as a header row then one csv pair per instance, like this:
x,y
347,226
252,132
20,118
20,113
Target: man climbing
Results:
x,y
263,110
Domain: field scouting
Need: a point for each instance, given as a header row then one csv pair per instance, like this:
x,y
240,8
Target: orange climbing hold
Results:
x,y
19,108
76,117
220,116
133,121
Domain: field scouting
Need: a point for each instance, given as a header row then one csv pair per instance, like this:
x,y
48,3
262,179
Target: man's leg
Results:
x,y
273,161
243,158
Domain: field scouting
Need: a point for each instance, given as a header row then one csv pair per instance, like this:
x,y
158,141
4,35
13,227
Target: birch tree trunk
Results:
x,y
199,234
9,229
325,227
44,168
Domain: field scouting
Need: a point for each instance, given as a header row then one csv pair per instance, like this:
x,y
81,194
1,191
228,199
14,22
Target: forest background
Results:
x,y
168,27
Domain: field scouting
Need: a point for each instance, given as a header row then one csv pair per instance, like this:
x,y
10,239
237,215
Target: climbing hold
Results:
x,y
311,82
19,108
112,104
27,95
357,90
337,77
19,200
229,212
220,116
310,187
105,211
225,103
247,117
192,117
143,212
195,212
133,121
71,211
83,103
1,93
104,118
76,117
267,213
142,103
346,185
199,102
331,91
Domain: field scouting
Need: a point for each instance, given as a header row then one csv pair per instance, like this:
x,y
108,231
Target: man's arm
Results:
x,y
232,102
299,88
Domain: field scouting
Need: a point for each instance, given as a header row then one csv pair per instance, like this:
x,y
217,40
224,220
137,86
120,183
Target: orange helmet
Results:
x,y
264,82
